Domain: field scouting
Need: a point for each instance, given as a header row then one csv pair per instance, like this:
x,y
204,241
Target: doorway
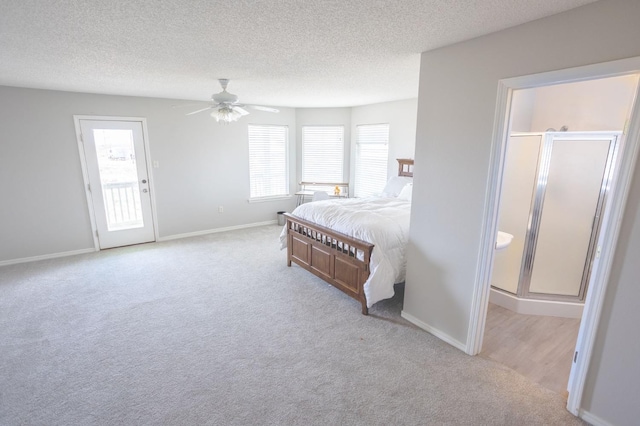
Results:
x,y
612,215
114,156
554,191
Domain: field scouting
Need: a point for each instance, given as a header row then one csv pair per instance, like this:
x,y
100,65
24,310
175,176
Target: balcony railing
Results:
x,y
122,205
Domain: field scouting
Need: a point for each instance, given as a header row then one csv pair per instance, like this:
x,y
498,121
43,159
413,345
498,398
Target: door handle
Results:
x,y
144,181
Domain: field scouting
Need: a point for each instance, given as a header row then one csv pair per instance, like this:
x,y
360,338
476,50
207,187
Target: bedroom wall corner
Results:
x,y
401,116
202,165
322,117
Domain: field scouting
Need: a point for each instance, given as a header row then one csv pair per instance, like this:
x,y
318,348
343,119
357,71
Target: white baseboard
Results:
x,y
548,308
171,237
439,334
593,419
216,230
46,256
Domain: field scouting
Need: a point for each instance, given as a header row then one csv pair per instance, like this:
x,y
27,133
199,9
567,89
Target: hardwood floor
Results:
x,y
540,348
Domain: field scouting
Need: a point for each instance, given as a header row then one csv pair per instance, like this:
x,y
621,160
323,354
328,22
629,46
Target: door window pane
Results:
x,y
118,178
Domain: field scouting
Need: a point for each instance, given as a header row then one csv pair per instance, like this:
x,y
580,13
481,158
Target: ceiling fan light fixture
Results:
x,y
226,108
225,115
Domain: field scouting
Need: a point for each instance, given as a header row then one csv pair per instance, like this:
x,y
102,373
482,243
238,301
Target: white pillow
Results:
x,y
395,184
406,192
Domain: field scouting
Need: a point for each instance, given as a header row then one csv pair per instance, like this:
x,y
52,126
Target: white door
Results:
x,y
114,152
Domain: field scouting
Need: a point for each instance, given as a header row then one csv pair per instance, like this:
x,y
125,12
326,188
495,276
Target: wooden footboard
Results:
x,y
340,260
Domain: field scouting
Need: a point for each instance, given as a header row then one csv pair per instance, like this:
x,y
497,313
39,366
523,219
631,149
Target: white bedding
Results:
x,y
381,221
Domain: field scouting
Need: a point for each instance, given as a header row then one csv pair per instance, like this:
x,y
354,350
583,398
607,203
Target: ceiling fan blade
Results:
x,y
263,108
200,110
188,105
241,110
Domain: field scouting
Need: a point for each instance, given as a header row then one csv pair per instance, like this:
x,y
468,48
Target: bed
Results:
x,y
355,244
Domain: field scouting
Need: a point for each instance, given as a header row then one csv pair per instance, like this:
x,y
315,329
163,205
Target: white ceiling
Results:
x,y
294,53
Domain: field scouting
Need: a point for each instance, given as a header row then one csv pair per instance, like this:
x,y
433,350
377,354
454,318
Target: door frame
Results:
x,y
85,170
611,221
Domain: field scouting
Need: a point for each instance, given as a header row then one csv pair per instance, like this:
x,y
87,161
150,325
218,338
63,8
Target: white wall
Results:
x,y
585,106
456,107
401,116
595,105
203,165
522,105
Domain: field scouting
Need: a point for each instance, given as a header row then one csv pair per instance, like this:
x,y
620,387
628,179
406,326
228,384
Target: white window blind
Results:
x,y
372,148
268,161
322,153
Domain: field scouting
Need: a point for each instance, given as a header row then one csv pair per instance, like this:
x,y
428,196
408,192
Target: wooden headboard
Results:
x,y
405,167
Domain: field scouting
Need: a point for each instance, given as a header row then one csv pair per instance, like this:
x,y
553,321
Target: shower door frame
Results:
x,y
537,209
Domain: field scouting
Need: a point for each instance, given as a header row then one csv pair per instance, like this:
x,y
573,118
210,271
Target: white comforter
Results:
x,y
380,221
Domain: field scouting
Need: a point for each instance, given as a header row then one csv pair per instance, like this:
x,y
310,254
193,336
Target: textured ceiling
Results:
x,y
276,52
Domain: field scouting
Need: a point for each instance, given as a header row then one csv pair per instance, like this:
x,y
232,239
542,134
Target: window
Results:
x,y
268,161
322,154
372,147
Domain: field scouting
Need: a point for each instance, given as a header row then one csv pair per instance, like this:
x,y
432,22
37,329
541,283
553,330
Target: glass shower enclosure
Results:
x,y
555,186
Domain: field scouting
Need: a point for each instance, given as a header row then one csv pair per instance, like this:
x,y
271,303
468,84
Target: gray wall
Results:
x,y
202,166
456,103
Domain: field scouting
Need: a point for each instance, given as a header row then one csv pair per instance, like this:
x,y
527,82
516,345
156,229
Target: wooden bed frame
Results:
x,y
339,259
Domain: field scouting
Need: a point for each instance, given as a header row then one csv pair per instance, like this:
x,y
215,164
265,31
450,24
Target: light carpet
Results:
x,y
217,330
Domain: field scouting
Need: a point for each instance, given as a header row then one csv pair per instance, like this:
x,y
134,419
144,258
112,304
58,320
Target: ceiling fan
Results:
x,y
226,107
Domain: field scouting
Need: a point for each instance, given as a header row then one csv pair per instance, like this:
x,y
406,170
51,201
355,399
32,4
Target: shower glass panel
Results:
x,y
568,215
554,190
519,182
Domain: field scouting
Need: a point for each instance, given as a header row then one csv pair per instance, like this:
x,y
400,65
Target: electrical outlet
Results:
x,y
220,209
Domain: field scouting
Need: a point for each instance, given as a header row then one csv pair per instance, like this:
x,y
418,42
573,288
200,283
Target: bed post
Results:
x,y
365,310
289,243
340,260
367,271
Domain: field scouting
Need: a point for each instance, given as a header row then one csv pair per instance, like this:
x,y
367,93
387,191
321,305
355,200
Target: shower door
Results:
x,y
518,190
573,180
